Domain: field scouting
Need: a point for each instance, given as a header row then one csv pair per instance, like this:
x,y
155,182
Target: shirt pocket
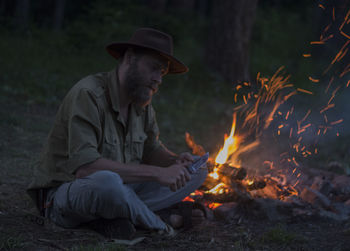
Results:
x,y
137,146
111,148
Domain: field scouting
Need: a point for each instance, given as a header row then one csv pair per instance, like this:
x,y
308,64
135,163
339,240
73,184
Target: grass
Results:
x,y
99,247
280,236
10,242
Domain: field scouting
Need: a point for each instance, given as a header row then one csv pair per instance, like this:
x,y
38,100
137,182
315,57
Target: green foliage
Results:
x,y
280,37
41,68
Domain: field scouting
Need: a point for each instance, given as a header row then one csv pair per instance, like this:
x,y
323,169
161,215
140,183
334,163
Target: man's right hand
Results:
x,y
175,176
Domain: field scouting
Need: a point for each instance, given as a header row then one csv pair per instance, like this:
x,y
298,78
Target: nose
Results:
x,y
157,78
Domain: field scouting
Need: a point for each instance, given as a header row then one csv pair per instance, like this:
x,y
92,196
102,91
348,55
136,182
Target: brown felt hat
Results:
x,y
154,40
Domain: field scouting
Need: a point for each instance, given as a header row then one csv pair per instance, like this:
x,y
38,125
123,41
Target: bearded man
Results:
x,y
104,165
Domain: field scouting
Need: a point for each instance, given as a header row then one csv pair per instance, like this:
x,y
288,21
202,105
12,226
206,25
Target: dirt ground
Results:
x,y
23,131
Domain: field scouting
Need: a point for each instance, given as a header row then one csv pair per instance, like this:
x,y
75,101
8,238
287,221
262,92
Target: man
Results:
x,y
103,164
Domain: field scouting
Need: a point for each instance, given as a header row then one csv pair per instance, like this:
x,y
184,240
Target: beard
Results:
x,y
137,87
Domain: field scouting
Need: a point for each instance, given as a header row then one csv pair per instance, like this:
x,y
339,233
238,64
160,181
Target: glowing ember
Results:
x,y
218,189
188,198
197,193
250,182
214,205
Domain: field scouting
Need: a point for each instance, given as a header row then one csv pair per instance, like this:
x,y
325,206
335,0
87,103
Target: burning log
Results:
x,y
257,184
209,183
235,193
226,174
232,172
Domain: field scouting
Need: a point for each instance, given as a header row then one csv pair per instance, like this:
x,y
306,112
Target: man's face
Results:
x,y
144,76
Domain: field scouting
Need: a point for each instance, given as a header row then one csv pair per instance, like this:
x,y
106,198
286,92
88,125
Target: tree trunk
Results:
x,y
183,5
58,14
229,35
22,14
158,5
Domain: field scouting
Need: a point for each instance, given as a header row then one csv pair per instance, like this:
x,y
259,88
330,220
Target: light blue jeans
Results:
x,y
104,195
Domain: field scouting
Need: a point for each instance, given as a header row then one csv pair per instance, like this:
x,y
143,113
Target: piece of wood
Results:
x,y
257,184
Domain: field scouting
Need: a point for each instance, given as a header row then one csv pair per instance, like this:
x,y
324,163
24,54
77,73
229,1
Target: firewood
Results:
x,y
233,172
209,183
257,184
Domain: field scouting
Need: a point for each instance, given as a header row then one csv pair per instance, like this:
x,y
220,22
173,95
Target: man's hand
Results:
x,y
175,176
184,159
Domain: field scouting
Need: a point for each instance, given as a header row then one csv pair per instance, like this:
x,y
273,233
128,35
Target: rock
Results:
x,y
226,211
333,215
315,198
323,185
342,209
336,166
295,201
269,209
341,184
302,212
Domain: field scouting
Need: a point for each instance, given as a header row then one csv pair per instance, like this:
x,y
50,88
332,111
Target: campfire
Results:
x,y
280,185
275,193
281,189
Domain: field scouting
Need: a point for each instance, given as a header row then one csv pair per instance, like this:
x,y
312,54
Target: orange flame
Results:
x,y
214,205
230,145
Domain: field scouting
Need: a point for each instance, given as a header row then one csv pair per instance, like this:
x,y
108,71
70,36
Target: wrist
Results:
x,y
155,172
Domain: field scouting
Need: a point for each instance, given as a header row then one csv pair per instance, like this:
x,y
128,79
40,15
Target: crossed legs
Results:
x,y
103,195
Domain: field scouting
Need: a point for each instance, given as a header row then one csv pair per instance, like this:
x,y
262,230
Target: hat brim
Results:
x,y
175,66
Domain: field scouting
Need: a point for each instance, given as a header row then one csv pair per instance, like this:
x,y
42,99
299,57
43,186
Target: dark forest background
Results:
x,y
47,46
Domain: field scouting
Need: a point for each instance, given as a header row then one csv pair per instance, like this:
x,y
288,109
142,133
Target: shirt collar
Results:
x,y
114,90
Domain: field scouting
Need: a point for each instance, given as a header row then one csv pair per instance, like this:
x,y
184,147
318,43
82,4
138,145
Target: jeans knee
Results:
x,y
105,177
108,186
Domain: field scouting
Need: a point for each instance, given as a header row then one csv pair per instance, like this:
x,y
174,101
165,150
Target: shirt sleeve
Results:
x,y
84,130
152,142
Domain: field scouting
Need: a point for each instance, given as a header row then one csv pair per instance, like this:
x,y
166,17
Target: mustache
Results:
x,y
154,87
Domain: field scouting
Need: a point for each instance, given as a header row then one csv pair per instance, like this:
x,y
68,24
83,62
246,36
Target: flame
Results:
x,y
197,193
214,205
218,189
250,182
188,198
193,194
230,145
214,174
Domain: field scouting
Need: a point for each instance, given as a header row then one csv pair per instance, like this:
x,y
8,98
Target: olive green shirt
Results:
x,y
89,126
